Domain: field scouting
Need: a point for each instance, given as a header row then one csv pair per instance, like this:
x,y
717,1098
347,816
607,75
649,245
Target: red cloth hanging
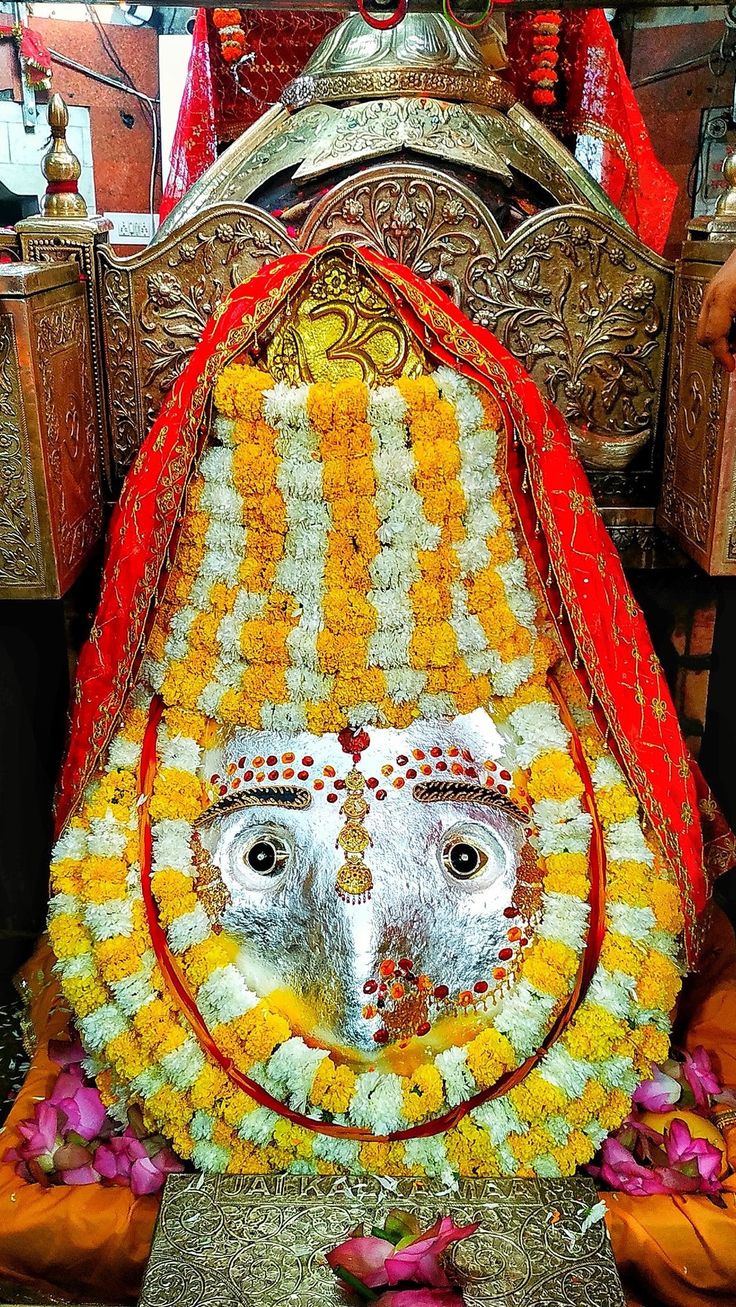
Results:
x,y
597,109
195,139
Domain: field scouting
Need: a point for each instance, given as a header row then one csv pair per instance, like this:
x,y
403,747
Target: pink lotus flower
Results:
x,y
40,1139
81,1104
419,1261
700,1076
364,1257
125,1160
419,1298
620,1170
694,1158
658,1094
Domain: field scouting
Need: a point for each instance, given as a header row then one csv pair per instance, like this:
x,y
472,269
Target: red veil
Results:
x,y
596,616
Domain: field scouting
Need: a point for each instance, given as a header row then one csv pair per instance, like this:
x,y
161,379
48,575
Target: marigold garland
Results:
x,y
312,496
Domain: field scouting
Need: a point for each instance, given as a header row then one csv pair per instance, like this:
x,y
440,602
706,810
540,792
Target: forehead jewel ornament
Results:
x,y
354,880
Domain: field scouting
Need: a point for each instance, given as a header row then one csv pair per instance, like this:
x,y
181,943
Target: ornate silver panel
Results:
x,y
156,305
254,1241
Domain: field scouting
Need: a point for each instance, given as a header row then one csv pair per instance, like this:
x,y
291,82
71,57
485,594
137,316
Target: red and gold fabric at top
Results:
x,y
595,614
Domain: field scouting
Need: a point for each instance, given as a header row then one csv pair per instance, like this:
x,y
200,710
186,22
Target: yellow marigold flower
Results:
x,y
587,1106
473,695
430,601
659,982
665,903
593,1033
111,869
169,1104
437,457
615,803
222,1135
537,1142
650,1047
118,958
489,1055
133,725
439,567
294,1138
68,871
170,884
553,776
424,1093
261,1032
85,993
567,873
126,1055
339,474
209,1088
614,1110
192,725
433,644
398,715
536,1097
580,1147
69,939
235,1106
333,1087
470,1151
322,718
177,794
202,959
383,1159
550,966
239,391
418,393
629,882
621,954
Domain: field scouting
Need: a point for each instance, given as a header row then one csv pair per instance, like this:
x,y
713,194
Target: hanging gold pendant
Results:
x,y
354,880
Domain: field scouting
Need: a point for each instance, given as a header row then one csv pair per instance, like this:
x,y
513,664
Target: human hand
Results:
x,y
717,321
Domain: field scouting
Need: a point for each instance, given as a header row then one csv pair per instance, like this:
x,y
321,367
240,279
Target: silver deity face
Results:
x,y
371,895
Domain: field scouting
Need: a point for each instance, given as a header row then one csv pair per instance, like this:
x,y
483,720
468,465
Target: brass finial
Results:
x,y
61,168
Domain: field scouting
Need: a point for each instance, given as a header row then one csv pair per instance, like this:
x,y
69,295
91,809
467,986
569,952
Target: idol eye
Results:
x,y
266,855
463,860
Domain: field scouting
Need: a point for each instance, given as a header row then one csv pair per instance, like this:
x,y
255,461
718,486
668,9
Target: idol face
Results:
x,y
441,911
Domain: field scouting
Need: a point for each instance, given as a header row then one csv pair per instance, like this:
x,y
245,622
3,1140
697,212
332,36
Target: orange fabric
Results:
x,y
94,1242
85,1241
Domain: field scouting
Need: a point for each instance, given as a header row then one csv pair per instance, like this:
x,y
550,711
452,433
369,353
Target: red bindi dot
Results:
x,y
435,752
398,782
499,973
505,954
339,784
222,789
235,782
418,754
370,987
320,785
272,760
480,986
402,760
332,798
288,773
273,775
440,991
453,751
511,912
424,1028
441,766
241,763
505,775
410,774
372,782
470,771
302,775
380,794
405,964
502,789
307,762
380,1037
214,780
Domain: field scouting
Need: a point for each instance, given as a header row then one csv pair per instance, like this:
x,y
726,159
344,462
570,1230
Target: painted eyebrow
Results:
x,y
450,791
268,796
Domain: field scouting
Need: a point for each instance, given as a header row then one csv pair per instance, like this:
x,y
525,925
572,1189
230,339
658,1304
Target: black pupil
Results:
x,y
464,859
262,857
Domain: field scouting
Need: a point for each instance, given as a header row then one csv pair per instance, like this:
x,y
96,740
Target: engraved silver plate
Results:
x,y
255,1241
